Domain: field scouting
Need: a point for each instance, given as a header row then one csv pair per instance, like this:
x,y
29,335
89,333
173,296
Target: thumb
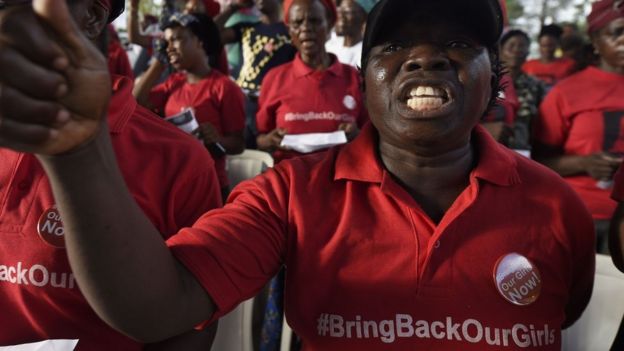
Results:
x,y
57,16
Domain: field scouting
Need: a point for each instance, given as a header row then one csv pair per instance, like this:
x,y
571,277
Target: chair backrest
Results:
x,y
596,328
235,328
235,333
247,165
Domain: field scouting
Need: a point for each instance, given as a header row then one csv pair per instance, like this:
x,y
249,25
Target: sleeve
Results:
x,y
234,251
268,103
618,185
579,227
159,95
232,107
551,126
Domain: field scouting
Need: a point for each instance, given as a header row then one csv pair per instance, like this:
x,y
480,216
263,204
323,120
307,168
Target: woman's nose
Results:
x,y
427,57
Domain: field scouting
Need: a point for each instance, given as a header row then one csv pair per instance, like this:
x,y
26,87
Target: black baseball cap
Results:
x,y
117,8
484,17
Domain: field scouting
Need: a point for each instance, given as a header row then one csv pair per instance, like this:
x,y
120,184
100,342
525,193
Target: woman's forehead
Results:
x,y
301,9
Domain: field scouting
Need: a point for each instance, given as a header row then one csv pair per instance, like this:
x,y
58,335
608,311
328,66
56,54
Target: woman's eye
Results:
x,y
393,47
458,44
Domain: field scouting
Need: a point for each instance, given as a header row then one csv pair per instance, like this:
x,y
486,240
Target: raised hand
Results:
x,y
54,83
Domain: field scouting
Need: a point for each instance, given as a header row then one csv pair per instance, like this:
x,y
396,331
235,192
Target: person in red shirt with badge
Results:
x,y
315,93
215,101
421,234
548,68
170,177
579,131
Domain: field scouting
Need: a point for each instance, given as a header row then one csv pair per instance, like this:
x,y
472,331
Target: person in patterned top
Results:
x,y
529,91
265,45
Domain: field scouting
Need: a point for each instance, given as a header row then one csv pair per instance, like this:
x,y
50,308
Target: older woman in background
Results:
x,y
315,93
579,132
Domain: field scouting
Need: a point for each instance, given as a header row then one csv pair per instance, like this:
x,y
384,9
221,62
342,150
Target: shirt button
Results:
x,y
437,244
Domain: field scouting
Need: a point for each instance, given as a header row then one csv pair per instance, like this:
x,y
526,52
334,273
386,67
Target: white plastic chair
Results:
x,y
235,328
596,328
247,165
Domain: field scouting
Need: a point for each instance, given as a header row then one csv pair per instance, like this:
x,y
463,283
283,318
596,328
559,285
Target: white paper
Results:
x,y
184,120
525,153
310,142
48,345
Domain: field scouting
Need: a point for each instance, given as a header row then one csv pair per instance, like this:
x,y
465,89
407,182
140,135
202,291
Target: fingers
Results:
x,y
30,78
57,16
22,135
19,29
13,103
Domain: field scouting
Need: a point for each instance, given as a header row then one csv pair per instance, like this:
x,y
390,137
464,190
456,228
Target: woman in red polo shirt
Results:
x,y
216,101
314,93
579,132
548,68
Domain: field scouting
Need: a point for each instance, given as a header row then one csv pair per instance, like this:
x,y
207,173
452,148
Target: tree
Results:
x,y
515,10
152,7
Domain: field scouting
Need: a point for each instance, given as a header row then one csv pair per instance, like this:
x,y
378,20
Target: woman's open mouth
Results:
x,y
427,98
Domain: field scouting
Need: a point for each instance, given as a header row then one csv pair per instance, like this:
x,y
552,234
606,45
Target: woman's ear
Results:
x,y
95,21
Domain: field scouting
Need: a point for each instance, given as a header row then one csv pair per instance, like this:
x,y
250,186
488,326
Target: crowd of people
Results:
x,y
461,206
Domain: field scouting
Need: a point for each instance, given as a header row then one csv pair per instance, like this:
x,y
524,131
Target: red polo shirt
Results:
x,y
301,99
583,115
168,173
215,99
118,63
549,73
368,270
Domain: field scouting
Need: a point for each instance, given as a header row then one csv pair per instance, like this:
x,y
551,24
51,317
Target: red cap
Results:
x,y
603,12
329,5
212,7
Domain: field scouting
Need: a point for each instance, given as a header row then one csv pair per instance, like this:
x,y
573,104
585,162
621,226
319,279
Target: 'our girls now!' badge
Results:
x,y
517,279
50,228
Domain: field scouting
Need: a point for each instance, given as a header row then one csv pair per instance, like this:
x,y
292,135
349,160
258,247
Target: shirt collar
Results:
x,y
122,104
358,160
301,69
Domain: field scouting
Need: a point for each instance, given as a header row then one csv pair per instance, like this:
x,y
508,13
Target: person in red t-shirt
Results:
x,y
421,234
118,62
216,101
548,68
315,93
170,176
580,130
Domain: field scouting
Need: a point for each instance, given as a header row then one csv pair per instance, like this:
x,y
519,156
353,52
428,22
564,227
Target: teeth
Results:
x,y
426,98
427,91
425,103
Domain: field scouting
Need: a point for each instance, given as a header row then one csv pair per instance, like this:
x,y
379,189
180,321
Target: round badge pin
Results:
x,y
349,102
50,228
517,279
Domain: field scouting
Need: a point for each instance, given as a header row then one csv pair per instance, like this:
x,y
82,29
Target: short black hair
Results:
x,y
514,33
551,30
